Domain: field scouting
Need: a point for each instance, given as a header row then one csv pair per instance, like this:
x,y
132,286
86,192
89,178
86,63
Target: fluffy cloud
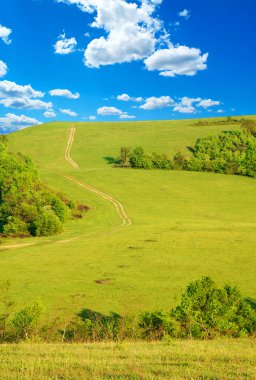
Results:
x,y
185,13
49,114
3,69
5,34
64,93
134,32
127,98
11,122
65,45
180,60
13,95
184,109
126,116
206,103
68,112
153,103
92,118
130,29
109,111
182,105
124,97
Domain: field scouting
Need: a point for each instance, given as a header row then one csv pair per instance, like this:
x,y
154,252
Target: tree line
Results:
x,y
205,311
232,152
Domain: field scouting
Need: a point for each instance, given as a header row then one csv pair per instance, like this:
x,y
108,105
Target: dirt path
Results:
x,y
68,148
126,221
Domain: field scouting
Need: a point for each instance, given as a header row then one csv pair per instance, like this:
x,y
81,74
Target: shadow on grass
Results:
x,y
112,161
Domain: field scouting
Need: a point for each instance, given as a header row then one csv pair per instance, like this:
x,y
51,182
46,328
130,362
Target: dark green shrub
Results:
x,y
46,224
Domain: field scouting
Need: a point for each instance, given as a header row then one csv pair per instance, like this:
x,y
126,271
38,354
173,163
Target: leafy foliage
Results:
x,y
205,311
27,206
226,153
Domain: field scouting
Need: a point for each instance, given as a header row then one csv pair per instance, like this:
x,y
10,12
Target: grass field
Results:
x,y
224,359
184,225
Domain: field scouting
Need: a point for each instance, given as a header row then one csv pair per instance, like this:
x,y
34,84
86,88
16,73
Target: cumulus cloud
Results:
x,y
185,13
65,45
130,29
68,112
180,60
109,111
64,93
188,105
50,114
3,69
13,95
92,118
124,97
127,98
11,122
126,116
184,109
5,34
134,32
153,103
182,105
206,103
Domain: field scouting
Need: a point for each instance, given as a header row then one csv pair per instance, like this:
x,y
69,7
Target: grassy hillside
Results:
x,y
223,359
184,225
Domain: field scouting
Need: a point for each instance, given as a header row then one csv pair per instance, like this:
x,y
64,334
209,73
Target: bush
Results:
x,y
205,311
25,321
47,224
27,206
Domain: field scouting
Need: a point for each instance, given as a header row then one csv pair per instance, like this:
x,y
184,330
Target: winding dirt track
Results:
x,y
126,221
68,148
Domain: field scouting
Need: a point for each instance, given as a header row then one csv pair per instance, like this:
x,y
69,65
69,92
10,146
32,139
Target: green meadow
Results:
x,y
185,225
221,359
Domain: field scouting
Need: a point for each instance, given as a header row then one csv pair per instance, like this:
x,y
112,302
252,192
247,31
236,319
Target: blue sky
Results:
x,y
124,60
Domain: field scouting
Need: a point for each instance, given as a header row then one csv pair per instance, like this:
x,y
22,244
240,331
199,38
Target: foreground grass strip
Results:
x,y
220,359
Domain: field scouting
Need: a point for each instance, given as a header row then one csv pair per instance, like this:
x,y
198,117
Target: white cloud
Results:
x,y
187,102
68,112
64,93
13,95
126,116
127,98
109,111
49,114
25,103
92,118
3,69
153,103
184,109
12,89
220,111
11,122
185,13
124,97
65,45
5,34
130,29
139,99
205,103
180,60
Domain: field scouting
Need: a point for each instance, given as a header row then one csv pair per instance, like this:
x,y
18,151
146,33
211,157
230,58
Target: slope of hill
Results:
x,y
184,225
